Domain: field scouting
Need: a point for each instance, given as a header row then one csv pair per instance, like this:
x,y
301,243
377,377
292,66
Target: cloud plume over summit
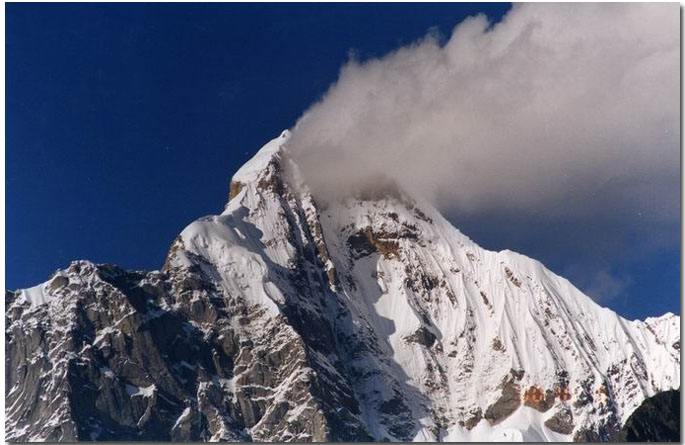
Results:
x,y
566,110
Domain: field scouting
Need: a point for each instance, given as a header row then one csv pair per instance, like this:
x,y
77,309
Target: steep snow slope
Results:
x,y
366,318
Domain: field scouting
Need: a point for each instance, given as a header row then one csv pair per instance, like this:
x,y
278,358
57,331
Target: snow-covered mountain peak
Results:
x,y
437,301
251,169
365,317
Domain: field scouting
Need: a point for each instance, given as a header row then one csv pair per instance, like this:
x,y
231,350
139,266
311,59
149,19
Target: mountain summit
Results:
x,y
364,318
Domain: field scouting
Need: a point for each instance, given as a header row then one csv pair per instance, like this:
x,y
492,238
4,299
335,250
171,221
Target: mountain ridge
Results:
x,y
365,318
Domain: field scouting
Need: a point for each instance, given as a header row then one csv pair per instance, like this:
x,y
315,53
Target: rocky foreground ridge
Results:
x,y
283,319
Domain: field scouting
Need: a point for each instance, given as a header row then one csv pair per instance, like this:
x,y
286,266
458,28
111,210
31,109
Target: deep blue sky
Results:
x,y
125,122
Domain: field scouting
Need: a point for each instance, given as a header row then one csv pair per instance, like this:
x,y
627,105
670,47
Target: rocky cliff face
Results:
x,y
367,318
657,419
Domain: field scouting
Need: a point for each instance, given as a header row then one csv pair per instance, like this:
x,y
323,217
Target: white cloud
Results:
x,y
568,110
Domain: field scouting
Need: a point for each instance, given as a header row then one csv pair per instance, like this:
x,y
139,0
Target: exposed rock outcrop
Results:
x,y
656,420
508,402
561,422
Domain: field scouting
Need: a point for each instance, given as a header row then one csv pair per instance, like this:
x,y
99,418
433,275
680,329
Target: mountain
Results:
x,y
657,419
369,317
